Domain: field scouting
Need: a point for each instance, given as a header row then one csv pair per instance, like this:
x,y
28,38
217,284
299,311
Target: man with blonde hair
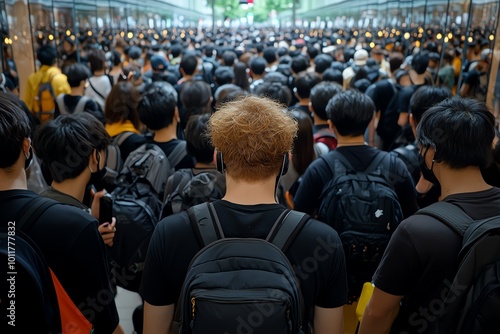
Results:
x,y
253,138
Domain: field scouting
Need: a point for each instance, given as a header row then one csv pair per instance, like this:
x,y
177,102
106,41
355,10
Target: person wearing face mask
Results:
x,y
455,140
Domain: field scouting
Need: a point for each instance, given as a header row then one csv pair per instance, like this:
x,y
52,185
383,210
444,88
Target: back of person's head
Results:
x,y
157,106
424,98
304,83
420,62
333,75
121,104
195,94
228,58
46,55
197,139
176,50
312,51
396,59
77,73
258,65
275,91
299,64
189,64
322,62
461,131
276,77
97,60
228,93
223,75
241,76
303,144
14,128
66,144
270,55
117,58
253,134
350,112
320,95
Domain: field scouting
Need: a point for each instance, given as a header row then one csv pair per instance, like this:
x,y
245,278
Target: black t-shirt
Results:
x,y
173,245
169,146
75,251
91,107
381,93
421,258
318,174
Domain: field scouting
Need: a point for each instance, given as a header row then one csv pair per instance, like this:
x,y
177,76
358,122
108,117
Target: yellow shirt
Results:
x,y
59,84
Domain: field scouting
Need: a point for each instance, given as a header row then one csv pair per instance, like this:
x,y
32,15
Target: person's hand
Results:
x,y
96,198
107,232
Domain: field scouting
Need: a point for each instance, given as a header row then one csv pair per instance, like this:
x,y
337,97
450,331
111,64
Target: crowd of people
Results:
x,y
265,122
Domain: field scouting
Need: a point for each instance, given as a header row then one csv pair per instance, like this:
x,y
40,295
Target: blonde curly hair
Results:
x,y
253,133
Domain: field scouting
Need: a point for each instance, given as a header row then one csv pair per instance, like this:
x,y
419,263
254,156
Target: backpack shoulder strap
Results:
x,y
32,212
376,161
449,214
61,105
80,106
205,221
95,90
177,154
120,139
286,228
334,156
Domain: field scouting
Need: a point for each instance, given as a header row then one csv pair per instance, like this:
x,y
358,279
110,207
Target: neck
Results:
x,y
14,178
417,79
204,165
319,121
99,73
166,134
350,141
470,178
77,91
73,187
250,193
303,102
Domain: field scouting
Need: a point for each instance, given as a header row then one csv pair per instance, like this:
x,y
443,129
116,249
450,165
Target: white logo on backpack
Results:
x,y
379,213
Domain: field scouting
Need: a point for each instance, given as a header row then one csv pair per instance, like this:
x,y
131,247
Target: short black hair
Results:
x,y
77,73
157,106
351,112
424,98
460,130
321,94
97,60
258,65
14,128
299,64
117,58
176,50
333,75
275,91
420,62
223,75
270,55
197,140
65,144
305,82
46,55
229,57
322,62
189,63
312,51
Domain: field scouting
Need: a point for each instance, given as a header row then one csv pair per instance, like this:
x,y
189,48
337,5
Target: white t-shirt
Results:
x,y
98,89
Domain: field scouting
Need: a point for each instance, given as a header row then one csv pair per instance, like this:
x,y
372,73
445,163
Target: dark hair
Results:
x,y
269,54
97,60
424,98
333,75
157,106
197,140
176,50
420,62
322,62
46,55
65,144
121,104
460,130
189,63
312,52
228,58
77,73
320,95
395,61
195,97
303,144
14,128
305,82
351,112
230,94
299,64
117,58
258,65
241,76
223,75
275,91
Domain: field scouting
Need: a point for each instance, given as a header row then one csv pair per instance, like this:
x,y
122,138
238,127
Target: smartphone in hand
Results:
x,y
105,209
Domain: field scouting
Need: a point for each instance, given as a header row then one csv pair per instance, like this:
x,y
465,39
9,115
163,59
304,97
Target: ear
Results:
x,y
412,121
93,160
330,125
26,146
311,109
176,115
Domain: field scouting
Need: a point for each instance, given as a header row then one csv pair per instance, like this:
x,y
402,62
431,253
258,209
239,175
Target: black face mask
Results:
x,y
427,173
99,174
29,159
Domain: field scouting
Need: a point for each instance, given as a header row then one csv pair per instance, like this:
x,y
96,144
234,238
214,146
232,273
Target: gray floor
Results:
x,y
126,302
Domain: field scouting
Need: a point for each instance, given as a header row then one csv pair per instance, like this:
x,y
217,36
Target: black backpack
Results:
x,y
473,300
185,189
241,285
364,209
409,155
137,208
